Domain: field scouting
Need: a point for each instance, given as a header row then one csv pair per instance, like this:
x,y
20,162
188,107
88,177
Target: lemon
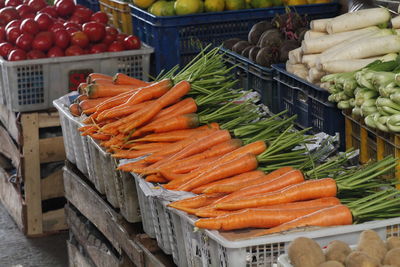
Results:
x,y
186,7
158,7
214,5
201,8
234,4
278,2
297,2
143,3
169,9
261,3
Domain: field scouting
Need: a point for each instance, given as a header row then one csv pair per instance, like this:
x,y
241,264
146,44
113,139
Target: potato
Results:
x,y
331,264
393,257
305,252
371,243
393,242
361,259
337,251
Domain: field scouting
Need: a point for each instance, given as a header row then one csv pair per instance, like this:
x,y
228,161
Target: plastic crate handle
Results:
x,y
288,85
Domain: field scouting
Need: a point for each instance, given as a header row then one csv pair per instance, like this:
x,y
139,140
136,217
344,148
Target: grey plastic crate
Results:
x,y
31,85
145,202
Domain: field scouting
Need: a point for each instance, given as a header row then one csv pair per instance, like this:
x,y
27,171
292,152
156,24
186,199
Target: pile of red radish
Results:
x,y
31,29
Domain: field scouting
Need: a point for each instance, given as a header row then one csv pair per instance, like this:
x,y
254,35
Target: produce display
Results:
x,y
187,7
269,42
371,251
33,30
189,131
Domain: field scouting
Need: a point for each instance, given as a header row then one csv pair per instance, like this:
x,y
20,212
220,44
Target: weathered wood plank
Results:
x,y
31,173
51,149
52,185
54,220
10,121
12,200
75,257
8,148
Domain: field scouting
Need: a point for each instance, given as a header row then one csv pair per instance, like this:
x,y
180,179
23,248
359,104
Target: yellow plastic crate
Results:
x,y
119,14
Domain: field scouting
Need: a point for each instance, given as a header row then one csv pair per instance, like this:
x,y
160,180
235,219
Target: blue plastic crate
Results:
x,y
175,39
254,76
91,4
310,103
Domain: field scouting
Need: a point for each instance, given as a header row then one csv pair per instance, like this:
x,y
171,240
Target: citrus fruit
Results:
x,y
234,4
186,7
169,9
214,5
261,3
297,2
143,3
158,7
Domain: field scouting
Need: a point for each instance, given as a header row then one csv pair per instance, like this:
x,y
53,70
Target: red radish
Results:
x,y
13,23
29,26
55,52
24,41
12,34
132,42
72,30
51,10
116,47
121,37
43,41
62,38
5,48
37,5
65,7
44,21
98,48
35,54
13,3
24,9
80,39
94,30
8,14
100,17
17,54
2,33
74,50
56,26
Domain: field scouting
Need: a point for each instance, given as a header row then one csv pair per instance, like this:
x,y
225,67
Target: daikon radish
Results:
x,y
358,20
295,56
301,73
349,65
318,45
315,75
397,31
389,57
310,60
312,35
295,67
319,25
395,22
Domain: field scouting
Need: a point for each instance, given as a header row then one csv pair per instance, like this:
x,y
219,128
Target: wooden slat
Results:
x,y
52,185
9,149
9,120
31,173
75,257
48,119
51,149
12,200
54,221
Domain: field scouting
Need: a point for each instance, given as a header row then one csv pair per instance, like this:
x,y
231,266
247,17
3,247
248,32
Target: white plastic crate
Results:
x,y
209,248
31,85
145,202
160,223
97,176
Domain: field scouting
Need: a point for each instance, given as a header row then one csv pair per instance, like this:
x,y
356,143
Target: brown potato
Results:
x,y
305,252
331,264
393,257
361,259
393,242
337,251
371,243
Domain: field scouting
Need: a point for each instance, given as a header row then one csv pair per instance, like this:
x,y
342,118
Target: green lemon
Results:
x,y
262,3
157,8
234,4
201,8
169,9
277,2
143,3
214,5
186,7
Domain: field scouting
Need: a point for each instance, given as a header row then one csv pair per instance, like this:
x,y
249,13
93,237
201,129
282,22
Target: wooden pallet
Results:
x,y
123,236
20,142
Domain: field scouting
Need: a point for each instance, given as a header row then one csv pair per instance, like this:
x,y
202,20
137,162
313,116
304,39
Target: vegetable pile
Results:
x,y
269,42
189,131
371,250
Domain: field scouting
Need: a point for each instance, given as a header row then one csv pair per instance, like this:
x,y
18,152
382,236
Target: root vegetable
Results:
x,y
395,22
295,56
358,20
305,252
253,53
315,75
228,44
310,60
313,34
301,73
393,257
270,38
240,46
246,51
295,67
350,65
286,47
265,57
319,25
337,251
331,264
371,244
361,259
393,242
257,30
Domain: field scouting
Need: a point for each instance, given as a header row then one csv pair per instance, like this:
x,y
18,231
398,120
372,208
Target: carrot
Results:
x,y
97,76
188,167
243,178
197,201
101,81
231,185
239,165
92,103
307,190
210,211
75,110
132,154
107,90
82,97
81,88
330,216
124,79
127,167
146,114
137,146
254,218
108,114
102,137
155,179
114,141
253,148
187,104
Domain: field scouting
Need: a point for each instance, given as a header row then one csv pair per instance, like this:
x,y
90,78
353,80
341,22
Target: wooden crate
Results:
x,y
20,142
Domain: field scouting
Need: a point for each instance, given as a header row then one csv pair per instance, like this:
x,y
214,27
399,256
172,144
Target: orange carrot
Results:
x,y
82,88
82,97
331,216
92,103
107,90
101,81
146,114
75,110
93,76
124,79
102,137
189,167
232,185
245,163
187,104
108,114
307,190
197,201
117,140
127,167
132,154
138,146
255,218
155,179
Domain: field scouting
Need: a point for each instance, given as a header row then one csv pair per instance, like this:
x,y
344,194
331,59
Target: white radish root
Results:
x,y
312,35
395,22
295,67
310,60
295,56
319,25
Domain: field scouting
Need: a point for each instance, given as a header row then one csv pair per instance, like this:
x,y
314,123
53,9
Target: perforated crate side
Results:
x,y
145,209
98,176
176,238
108,172
160,225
